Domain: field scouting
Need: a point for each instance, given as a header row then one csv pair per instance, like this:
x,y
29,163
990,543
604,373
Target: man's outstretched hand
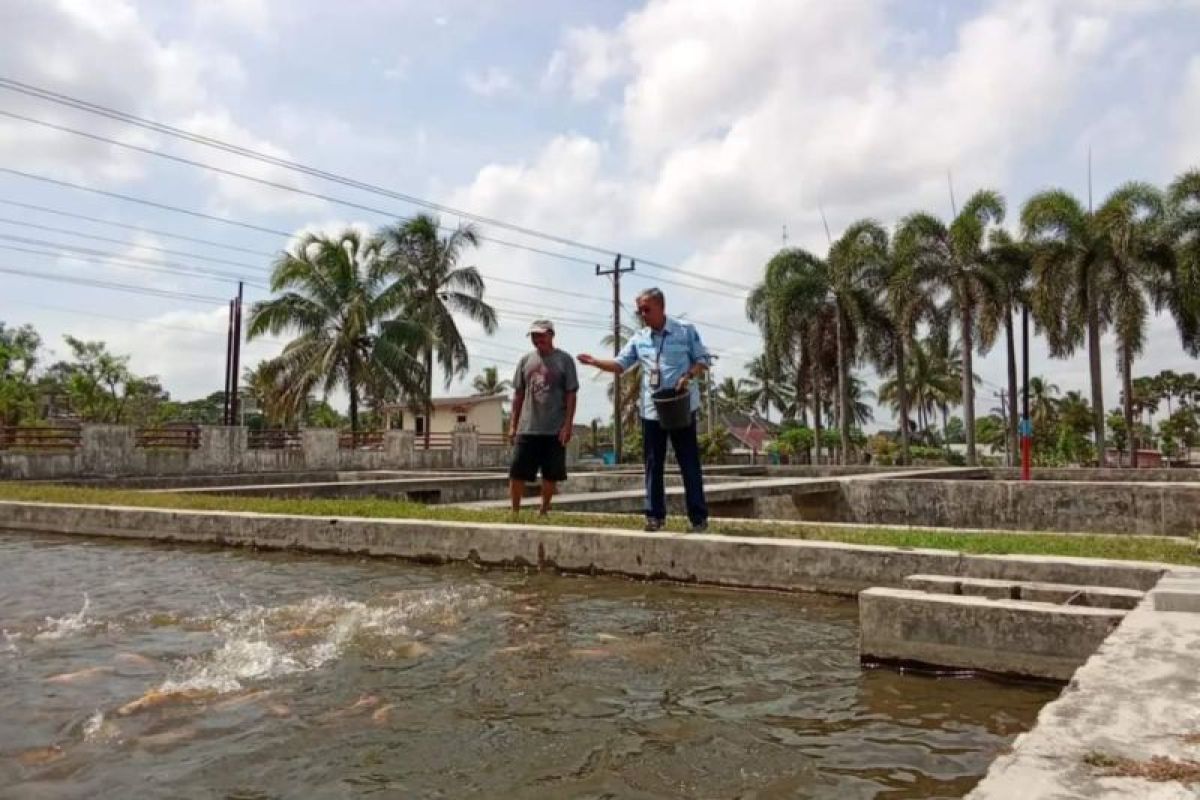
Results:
x,y
584,358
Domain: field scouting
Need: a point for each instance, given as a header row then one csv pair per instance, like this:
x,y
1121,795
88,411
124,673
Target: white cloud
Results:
x,y
491,83
60,45
231,194
588,59
1186,151
253,16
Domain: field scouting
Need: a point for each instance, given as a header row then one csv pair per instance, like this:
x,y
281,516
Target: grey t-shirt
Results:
x,y
544,381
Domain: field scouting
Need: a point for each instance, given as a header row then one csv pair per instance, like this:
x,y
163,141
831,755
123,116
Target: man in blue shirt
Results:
x,y
671,355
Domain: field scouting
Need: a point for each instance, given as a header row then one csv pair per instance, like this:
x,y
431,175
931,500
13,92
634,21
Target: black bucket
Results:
x,y
674,408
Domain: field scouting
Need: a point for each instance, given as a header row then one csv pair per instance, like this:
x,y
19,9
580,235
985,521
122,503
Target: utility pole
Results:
x,y
616,272
228,364
235,365
1026,422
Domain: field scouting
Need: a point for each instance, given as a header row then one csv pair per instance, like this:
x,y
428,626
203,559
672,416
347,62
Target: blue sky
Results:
x,y
684,131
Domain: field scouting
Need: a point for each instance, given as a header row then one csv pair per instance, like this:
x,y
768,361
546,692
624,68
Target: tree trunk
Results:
x,y
353,389
1014,442
1093,324
1127,390
902,397
843,404
968,383
814,381
428,394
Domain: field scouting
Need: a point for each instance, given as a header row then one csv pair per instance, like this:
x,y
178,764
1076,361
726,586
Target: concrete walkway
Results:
x,y
1133,701
633,500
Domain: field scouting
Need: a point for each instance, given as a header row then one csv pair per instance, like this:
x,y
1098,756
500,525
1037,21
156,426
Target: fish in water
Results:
x,y
167,738
136,661
38,756
237,701
157,697
79,676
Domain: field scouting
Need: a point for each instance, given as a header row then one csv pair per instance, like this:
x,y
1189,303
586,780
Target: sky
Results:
x,y
687,133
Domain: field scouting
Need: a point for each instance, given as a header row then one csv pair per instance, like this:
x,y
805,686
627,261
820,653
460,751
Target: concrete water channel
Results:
x,y
1125,635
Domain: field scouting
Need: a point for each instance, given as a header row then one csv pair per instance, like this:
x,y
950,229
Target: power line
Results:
x,y
135,228
179,133
285,234
123,287
130,262
138,245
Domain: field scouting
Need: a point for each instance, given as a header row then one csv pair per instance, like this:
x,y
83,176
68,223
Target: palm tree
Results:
x,y
438,290
264,384
856,260
733,396
345,302
954,258
768,384
1183,229
631,382
1008,266
1043,402
1137,268
792,309
861,412
488,382
1071,251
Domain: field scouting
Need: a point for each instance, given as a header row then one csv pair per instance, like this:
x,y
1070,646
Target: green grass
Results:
x,y
1136,548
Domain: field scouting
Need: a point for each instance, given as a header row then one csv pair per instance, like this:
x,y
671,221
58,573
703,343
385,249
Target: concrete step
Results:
x,y
1032,591
1009,637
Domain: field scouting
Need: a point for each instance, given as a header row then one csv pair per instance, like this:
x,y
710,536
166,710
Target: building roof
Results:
x,y
451,402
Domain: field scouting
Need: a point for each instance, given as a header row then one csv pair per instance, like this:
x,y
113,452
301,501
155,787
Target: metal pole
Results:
x,y
615,272
1026,422
237,357
228,363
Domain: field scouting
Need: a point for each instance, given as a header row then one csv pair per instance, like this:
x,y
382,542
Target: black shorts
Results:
x,y
536,452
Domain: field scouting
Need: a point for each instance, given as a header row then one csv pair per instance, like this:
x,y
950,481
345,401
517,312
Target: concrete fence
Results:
x,y
119,451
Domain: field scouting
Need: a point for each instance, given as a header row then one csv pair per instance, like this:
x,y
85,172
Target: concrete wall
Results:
x,y
1080,474
1171,509
111,450
784,564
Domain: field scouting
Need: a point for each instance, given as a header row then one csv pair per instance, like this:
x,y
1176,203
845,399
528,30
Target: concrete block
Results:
x,y
1002,636
1029,591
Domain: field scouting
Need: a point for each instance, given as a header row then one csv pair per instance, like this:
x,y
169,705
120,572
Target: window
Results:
x,y
461,418
420,423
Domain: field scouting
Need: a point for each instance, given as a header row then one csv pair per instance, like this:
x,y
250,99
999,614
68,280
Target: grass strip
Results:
x,y
1114,546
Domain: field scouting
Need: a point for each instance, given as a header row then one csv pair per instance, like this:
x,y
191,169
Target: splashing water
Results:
x,y
260,643
61,627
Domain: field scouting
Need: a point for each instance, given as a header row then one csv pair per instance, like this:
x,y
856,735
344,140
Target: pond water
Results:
x,y
133,670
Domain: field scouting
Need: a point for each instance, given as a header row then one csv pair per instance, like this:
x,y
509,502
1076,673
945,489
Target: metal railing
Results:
x,y
47,438
274,440
493,440
181,438
360,440
436,441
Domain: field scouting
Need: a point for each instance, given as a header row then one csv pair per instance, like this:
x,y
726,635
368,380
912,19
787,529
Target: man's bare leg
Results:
x,y
547,495
516,490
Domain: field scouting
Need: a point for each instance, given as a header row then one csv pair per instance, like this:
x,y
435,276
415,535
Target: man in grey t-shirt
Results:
x,y
543,415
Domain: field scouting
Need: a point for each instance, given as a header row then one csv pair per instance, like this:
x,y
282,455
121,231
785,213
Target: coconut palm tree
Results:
x,y
954,258
346,303
488,382
1043,403
631,382
438,291
856,262
1071,251
1183,229
1008,266
733,396
792,309
768,384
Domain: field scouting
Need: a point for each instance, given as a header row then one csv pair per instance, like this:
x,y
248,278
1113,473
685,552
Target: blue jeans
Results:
x,y
687,453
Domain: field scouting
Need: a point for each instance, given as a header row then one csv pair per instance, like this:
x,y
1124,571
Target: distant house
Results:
x,y
484,413
748,433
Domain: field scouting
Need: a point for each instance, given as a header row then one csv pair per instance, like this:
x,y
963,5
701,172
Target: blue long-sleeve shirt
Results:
x,y
674,350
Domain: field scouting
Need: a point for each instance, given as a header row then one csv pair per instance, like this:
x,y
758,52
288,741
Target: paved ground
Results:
x,y
1132,702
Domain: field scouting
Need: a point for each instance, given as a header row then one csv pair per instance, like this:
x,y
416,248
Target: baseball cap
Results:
x,y
541,326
